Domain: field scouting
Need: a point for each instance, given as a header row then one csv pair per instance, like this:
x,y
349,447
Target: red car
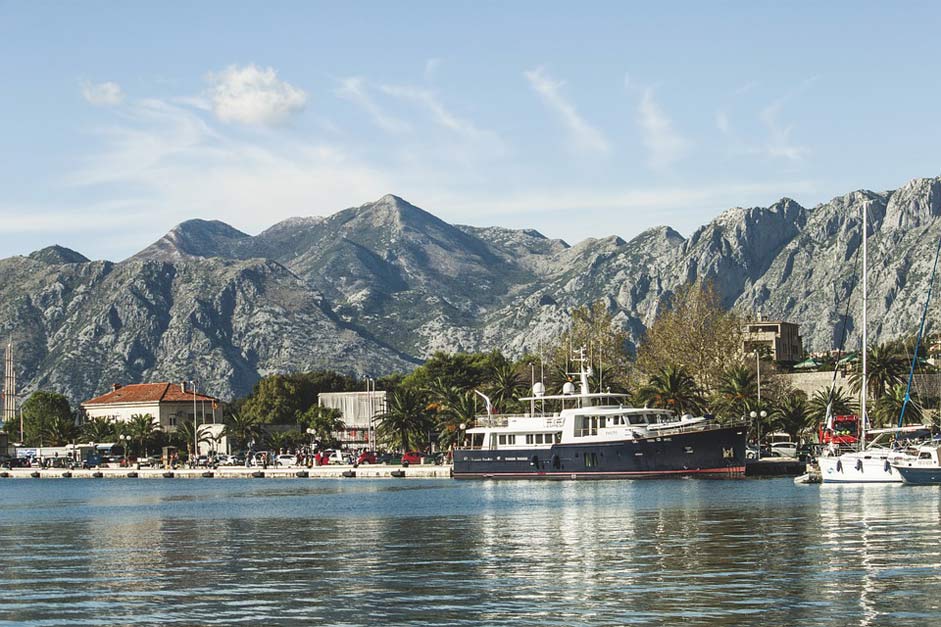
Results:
x,y
366,457
411,457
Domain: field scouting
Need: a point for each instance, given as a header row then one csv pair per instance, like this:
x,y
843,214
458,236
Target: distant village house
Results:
x,y
169,403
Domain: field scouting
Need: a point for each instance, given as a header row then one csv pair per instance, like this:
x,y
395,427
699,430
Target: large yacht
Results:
x,y
597,436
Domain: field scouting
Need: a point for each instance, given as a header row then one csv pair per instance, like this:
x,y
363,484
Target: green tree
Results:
x,y
840,403
188,434
242,428
886,368
672,387
887,408
405,420
283,398
39,411
60,430
736,393
694,331
791,414
98,429
506,386
141,427
326,422
460,409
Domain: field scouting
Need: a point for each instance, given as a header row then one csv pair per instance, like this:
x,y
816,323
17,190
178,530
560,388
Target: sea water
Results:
x,y
441,552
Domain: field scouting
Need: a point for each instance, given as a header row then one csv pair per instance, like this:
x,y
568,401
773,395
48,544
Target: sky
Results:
x,y
119,120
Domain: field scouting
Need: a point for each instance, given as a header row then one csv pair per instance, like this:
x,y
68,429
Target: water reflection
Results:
x,y
384,552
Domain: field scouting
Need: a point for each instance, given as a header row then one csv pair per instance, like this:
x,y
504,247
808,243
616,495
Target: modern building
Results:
x,y
169,403
779,340
358,410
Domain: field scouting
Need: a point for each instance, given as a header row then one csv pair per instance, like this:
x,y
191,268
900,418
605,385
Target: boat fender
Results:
x,y
34,475
839,465
888,466
97,475
859,465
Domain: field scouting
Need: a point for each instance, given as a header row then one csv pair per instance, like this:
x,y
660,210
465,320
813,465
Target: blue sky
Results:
x,y
119,120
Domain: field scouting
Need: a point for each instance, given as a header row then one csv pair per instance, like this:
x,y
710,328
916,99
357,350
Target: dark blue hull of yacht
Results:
x,y
920,475
718,452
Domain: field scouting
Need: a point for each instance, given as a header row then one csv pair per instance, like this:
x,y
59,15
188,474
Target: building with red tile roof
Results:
x,y
169,403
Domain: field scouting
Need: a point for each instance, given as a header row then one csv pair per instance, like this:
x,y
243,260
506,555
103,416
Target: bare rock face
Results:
x,y
378,288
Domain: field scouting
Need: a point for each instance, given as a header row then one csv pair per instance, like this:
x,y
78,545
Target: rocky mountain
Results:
x,y
377,288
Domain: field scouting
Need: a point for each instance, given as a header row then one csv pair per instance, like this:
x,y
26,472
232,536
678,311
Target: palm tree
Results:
x,y
406,416
506,386
60,430
737,391
141,427
243,428
889,406
839,402
98,429
185,435
672,387
791,414
461,410
885,368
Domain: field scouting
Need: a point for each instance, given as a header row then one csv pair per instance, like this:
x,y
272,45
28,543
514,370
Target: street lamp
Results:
x,y
763,414
126,442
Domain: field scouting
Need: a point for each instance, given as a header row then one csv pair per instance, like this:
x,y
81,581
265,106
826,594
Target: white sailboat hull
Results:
x,y
864,467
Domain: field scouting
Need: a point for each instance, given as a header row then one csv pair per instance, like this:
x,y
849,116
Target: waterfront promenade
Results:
x,y
235,472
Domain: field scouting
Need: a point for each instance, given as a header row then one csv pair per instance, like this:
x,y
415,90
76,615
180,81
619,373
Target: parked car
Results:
x,y
367,457
784,449
286,459
389,458
411,457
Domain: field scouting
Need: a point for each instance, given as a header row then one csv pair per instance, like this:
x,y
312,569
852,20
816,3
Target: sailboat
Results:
x,y
876,462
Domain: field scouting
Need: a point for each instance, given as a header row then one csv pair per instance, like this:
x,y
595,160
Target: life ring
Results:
x,y
839,465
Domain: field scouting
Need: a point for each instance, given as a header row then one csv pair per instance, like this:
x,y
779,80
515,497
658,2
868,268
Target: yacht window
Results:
x,y
924,455
493,440
558,438
511,439
538,438
638,419
601,422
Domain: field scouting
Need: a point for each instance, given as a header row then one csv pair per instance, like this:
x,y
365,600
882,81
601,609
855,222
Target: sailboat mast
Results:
x,y
865,379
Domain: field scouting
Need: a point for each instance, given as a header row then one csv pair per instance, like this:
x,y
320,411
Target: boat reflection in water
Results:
x,y
596,436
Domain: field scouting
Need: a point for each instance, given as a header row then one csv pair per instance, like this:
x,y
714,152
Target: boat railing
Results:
x,y
503,420
695,426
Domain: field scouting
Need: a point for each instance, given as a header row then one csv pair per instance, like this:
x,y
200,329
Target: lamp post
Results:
x,y
195,426
762,414
460,434
126,442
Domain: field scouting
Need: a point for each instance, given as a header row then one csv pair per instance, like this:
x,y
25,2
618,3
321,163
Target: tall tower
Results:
x,y
9,389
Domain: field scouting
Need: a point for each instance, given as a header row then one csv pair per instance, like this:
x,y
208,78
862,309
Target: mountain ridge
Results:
x,y
379,287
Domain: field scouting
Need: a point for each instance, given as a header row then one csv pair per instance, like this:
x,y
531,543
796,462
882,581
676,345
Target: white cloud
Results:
x,y
167,164
780,143
252,95
584,136
107,94
665,144
431,68
439,112
354,89
722,122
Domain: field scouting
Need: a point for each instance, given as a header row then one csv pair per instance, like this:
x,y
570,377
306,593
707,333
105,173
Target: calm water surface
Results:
x,y
361,552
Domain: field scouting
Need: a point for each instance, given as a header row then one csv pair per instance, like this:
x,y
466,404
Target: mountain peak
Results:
x,y
196,238
57,255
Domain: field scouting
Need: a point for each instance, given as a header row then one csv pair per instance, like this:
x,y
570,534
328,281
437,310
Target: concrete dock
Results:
x,y
237,472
